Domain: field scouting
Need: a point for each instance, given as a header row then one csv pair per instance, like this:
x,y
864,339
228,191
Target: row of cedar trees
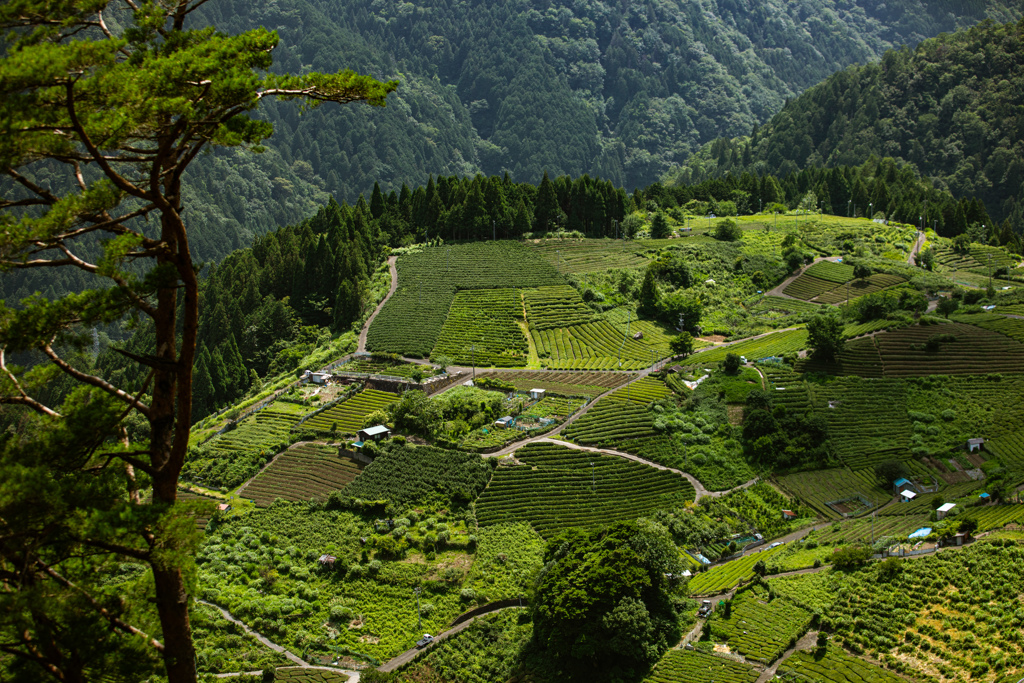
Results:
x,y
264,307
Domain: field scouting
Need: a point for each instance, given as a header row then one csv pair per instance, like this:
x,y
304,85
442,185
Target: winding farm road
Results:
x,y
394,287
912,258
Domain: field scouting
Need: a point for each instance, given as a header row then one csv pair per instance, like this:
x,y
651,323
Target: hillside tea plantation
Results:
x,y
231,458
758,628
556,487
412,320
408,475
482,328
347,416
306,471
681,666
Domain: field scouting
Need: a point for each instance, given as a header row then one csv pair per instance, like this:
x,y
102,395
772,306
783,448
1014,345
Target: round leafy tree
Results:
x,y
605,603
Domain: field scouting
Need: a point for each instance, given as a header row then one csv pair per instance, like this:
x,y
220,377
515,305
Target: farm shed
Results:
x,y
504,421
317,377
943,510
788,514
327,561
974,445
901,485
224,507
985,498
907,496
537,394
371,434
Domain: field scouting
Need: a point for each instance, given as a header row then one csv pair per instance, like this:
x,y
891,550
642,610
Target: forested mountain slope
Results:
x,y
620,90
953,107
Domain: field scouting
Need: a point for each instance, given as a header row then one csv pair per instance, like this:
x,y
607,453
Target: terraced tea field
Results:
x,y
347,417
725,577
831,271
807,287
591,255
1011,327
817,488
868,530
558,487
483,328
231,458
411,320
858,288
595,346
859,357
975,351
835,667
783,305
996,516
303,472
684,666
570,383
760,630
643,391
867,419
774,344
654,334
553,307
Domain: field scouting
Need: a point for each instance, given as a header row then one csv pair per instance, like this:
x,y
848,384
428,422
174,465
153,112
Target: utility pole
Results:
x,y
848,201
472,360
494,232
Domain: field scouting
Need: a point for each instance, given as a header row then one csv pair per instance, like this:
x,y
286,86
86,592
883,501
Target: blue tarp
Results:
x,y
921,533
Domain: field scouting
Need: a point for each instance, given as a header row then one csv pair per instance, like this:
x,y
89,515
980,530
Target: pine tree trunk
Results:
x,y
170,421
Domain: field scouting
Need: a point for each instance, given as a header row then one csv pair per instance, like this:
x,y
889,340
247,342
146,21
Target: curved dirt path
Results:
x,y
394,287
777,290
410,655
912,258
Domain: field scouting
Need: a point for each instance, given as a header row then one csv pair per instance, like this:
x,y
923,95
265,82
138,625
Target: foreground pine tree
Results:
x,y
103,105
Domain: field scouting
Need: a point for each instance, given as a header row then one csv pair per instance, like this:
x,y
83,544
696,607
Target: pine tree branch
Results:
x,y
114,621
24,399
83,136
97,382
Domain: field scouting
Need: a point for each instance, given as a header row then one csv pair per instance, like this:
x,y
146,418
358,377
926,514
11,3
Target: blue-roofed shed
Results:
x,y
902,484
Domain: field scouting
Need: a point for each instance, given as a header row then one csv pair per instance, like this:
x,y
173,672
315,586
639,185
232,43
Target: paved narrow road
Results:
x,y
394,286
918,243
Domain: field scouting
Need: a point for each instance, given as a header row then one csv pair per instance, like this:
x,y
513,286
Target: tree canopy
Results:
x,y
105,105
605,605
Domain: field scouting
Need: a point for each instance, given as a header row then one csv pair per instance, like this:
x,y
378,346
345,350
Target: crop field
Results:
x,y
1011,327
975,351
774,344
382,366
1009,448
807,287
482,328
557,487
995,516
427,283
944,615
590,256
817,488
859,357
347,417
786,388
569,383
594,346
202,517
758,629
654,334
407,475
814,592
867,419
231,458
553,307
726,576
784,305
831,271
924,503
306,471
979,257
866,529
835,667
553,407
858,288
644,391
308,675
684,666
856,330
612,422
